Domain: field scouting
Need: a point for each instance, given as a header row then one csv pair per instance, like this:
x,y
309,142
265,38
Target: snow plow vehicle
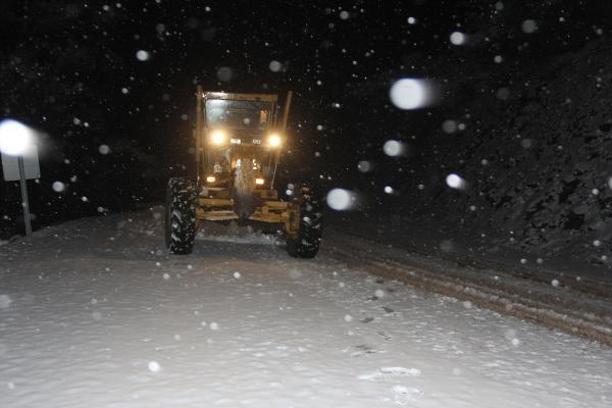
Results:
x,y
239,139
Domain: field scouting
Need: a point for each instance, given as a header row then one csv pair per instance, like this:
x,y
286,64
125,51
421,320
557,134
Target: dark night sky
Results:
x,y
67,64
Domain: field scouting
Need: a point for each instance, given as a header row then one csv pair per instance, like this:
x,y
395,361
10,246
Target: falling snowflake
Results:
x,y
393,148
341,200
58,186
154,366
455,181
529,26
275,66
410,94
142,55
458,38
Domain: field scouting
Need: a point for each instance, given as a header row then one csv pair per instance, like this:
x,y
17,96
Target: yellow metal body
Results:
x,y
215,204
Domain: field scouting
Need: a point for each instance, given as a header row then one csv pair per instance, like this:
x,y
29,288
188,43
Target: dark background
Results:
x,y
64,65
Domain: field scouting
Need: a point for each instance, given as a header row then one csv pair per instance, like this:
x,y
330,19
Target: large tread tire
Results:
x,y
180,216
308,241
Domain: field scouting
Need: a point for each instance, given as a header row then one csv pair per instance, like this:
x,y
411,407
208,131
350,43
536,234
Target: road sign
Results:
x,y
10,166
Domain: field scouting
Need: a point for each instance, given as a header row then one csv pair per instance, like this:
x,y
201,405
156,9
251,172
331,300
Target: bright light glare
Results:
x,y
393,148
16,139
275,140
458,38
217,137
410,94
455,181
341,200
210,179
259,181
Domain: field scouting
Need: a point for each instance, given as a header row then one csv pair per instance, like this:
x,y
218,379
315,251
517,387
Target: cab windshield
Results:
x,y
247,115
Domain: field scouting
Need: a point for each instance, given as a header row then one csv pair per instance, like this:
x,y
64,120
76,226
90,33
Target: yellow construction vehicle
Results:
x,y
239,139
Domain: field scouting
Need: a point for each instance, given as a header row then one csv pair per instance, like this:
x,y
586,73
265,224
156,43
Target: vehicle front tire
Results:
x,y
180,216
306,244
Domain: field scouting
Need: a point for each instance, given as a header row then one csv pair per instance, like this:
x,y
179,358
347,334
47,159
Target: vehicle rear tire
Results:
x,y
307,243
180,216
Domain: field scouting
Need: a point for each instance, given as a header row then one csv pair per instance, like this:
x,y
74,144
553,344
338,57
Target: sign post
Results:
x,y
25,202
19,161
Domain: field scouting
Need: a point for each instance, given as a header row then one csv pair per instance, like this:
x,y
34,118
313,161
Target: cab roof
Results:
x,y
240,96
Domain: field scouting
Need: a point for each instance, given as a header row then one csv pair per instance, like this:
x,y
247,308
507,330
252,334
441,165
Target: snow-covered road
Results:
x,y
95,313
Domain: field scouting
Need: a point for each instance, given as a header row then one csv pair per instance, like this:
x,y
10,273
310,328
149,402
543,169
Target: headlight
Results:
x,y
218,137
274,140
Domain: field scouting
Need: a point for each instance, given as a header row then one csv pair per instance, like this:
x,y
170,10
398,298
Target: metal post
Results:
x,y
283,130
25,202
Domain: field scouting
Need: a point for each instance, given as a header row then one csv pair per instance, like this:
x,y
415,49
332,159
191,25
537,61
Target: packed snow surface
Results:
x,y
95,312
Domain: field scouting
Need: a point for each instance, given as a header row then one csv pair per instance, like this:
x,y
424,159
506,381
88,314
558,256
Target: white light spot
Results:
x,y
410,94
555,283
529,26
502,94
393,148
455,181
411,20
104,149
344,15
348,318
498,59
142,55
597,243
84,199
166,276
275,66
364,166
523,261
225,74
154,366
389,190
595,191
237,275
214,326
15,138
449,126
379,293
125,91
458,38
341,200
319,127
58,186
526,143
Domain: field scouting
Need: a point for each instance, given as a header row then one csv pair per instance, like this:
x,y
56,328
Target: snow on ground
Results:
x,y
95,310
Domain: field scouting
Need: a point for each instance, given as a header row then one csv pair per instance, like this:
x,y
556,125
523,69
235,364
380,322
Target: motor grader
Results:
x,y
239,140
